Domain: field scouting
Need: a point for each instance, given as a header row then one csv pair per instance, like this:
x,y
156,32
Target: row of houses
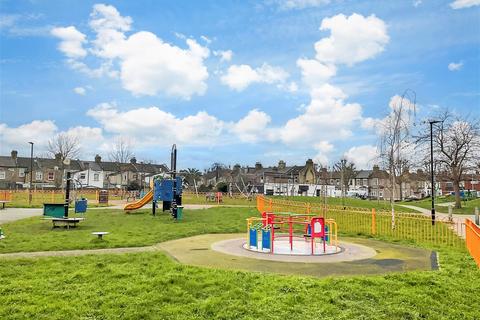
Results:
x,y
281,179
50,173
308,180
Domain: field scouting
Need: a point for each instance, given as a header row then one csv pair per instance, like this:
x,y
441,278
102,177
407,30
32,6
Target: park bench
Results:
x,y
100,234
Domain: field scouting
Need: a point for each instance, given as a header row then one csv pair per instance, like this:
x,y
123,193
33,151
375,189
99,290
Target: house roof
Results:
x,y
363,174
6,161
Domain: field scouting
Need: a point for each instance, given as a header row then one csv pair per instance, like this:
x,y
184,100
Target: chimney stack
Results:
x,y
14,154
98,159
133,160
281,165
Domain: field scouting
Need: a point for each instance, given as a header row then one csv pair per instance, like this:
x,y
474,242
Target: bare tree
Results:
x,y
121,152
395,139
348,171
456,142
64,145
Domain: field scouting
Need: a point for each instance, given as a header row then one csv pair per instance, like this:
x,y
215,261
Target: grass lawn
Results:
x,y
468,207
126,230
20,199
191,198
349,202
153,286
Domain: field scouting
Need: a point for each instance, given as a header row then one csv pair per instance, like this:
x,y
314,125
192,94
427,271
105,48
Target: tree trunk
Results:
x,y
456,189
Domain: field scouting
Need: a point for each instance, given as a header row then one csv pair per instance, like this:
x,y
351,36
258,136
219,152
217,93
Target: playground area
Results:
x,y
344,262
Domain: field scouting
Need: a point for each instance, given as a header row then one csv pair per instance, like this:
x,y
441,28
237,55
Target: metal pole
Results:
x,y
31,174
67,193
173,165
431,172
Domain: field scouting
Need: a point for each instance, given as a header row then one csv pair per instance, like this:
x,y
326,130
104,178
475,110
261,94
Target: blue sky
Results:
x,y
230,81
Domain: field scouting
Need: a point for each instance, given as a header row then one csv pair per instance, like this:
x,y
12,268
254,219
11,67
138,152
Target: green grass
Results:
x,y
126,230
153,286
468,207
191,198
20,199
349,202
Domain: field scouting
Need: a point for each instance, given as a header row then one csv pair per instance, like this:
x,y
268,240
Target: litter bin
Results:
x,y
81,206
179,212
103,197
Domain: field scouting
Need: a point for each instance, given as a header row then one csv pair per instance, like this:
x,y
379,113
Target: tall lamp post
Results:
x,y
432,122
31,173
342,173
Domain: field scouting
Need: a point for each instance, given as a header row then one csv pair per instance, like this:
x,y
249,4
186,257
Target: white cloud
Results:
x,y
225,55
80,90
162,68
460,4
41,131
72,41
153,126
239,77
314,73
363,156
300,4
37,131
452,66
417,3
323,148
352,39
206,39
326,117
252,126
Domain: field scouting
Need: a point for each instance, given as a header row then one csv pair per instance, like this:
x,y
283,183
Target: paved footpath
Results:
x,y
13,214
458,219
73,253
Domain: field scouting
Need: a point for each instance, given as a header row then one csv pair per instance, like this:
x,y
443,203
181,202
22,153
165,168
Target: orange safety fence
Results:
x,y
473,240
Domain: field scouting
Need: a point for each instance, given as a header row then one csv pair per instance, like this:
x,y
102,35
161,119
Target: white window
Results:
x,y
51,176
82,176
96,177
38,175
21,172
2,175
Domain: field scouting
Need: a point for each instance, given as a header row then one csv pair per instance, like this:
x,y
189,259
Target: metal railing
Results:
x,y
413,227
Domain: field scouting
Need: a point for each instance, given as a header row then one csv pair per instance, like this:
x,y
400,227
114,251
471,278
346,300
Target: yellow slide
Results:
x,y
140,203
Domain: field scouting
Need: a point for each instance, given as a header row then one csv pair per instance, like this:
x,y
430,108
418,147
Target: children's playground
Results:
x,y
160,257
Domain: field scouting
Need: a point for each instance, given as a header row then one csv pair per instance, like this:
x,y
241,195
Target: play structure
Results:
x,y
290,233
168,191
58,212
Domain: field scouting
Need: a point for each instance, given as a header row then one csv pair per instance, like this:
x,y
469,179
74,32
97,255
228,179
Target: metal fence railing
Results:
x,y
363,221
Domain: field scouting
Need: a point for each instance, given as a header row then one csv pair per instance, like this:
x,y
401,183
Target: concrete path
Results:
x,y
457,219
13,214
72,253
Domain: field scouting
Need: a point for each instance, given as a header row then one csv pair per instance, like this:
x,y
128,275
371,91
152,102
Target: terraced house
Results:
x,y
49,173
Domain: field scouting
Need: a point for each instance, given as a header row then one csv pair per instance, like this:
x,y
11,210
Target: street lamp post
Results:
x,y
432,122
343,161
31,174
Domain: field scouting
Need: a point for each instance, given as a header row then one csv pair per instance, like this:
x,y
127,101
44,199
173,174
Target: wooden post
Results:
x,y
374,222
